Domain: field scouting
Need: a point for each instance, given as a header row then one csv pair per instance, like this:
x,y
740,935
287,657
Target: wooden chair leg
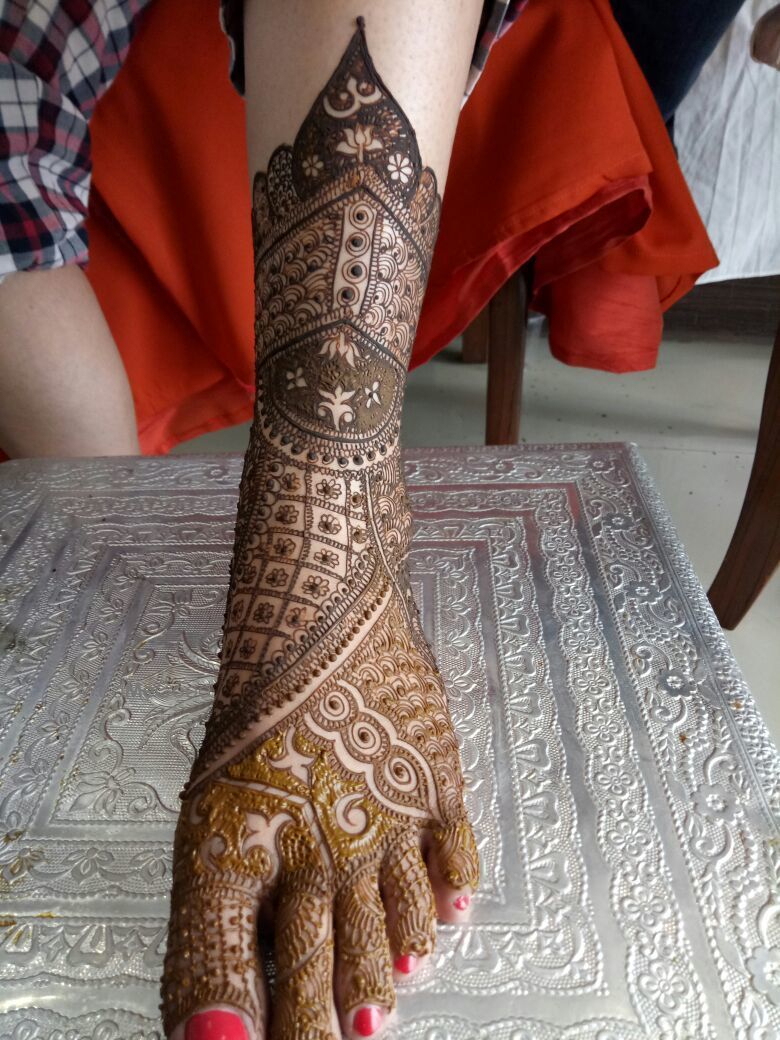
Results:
x,y
508,312
754,551
475,338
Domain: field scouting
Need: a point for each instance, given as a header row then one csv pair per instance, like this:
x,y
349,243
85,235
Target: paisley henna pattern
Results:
x,y
330,750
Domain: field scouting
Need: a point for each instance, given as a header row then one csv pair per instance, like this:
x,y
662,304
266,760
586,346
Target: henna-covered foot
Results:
x,y
328,788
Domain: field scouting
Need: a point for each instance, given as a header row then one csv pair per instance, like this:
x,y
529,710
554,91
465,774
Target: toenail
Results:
x,y
406,964
215,1025
462,902
366,1021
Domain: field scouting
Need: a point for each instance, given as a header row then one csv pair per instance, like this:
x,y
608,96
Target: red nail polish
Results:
x,y
366,1021
215,1025
462,902
406,964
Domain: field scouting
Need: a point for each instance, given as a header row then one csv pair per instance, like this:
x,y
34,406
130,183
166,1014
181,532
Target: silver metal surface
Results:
x,y
624,789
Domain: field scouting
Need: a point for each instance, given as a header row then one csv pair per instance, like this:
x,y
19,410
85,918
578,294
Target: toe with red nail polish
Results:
x,y
406,964
462,902
367,1021
215,1025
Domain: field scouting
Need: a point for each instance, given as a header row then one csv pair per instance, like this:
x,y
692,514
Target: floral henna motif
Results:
x,y
343,244
330,748
342,258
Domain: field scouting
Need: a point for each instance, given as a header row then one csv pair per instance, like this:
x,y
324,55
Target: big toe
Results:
x,y
215,1024
213,987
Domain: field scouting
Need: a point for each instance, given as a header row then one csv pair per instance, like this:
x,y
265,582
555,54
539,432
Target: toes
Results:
x,y
212,985
454,870
411,915
364,972
303,1001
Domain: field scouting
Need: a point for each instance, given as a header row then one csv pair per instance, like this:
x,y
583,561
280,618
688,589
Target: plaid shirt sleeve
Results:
x,y
57,57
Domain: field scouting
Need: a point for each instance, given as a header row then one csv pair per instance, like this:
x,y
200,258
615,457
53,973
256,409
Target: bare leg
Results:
x,y
63,389
329,784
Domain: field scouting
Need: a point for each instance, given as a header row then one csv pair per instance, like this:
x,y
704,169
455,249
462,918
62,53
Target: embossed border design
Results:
x,y
735,883
736,897
660,975
558,950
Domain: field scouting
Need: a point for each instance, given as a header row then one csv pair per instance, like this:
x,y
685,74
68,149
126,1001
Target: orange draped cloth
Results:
x,y
560,155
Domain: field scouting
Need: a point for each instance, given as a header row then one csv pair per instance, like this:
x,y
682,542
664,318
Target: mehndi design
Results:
x,y
330,750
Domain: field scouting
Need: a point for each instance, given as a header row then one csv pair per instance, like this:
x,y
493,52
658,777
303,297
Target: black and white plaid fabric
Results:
x,y
57,57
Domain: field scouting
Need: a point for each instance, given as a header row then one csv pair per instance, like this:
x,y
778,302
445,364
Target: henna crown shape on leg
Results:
x,y
344,227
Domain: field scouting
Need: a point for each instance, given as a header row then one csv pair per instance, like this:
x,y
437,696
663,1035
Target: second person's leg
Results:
x,y
63,387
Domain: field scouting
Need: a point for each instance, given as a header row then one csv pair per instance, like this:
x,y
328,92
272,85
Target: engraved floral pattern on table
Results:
x,y
541,855
55,520
625,830
698,713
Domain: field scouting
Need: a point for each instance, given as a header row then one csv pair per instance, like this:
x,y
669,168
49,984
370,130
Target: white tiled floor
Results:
x,y
695,418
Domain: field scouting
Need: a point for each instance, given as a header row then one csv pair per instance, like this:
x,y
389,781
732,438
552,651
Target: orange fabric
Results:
x,y
560,153
169,226
608,321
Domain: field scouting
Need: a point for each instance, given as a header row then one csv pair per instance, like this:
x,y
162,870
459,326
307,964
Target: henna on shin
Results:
x,y
330,746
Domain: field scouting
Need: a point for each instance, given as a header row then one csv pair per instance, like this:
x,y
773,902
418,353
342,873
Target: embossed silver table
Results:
x,y
624,788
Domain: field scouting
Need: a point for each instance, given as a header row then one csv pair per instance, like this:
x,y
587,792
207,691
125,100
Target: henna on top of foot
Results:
x,y
329,761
